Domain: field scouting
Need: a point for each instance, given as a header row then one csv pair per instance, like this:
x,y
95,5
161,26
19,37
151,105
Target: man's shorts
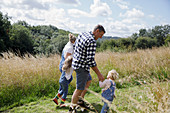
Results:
x,y
89,78
82,77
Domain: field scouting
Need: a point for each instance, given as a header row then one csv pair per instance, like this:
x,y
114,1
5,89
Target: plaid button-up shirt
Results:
x,y
84,51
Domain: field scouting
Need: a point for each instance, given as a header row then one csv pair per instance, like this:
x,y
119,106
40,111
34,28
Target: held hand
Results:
x,y
101,78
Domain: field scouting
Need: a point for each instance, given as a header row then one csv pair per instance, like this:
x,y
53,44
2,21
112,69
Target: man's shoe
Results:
x,y
55,100
82,103
72,110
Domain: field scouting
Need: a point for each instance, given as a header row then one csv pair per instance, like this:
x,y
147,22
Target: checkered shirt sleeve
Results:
x,y
84,51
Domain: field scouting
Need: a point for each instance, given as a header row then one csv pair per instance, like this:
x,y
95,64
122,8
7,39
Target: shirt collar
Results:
x,y
92,34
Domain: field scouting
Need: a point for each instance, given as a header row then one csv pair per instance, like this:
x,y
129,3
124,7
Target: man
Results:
x,y
83,59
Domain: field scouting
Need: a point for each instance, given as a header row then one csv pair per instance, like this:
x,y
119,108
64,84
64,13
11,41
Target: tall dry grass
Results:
x,y
151,67
26,79
132,65
19,71
140,64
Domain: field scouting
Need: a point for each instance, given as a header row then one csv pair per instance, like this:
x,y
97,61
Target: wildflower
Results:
x,y
140,97
144,82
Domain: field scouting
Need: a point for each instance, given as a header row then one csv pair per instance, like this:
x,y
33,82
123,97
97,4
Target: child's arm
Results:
x,y
102,84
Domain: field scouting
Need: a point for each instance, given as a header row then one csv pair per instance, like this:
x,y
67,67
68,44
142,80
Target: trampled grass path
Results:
x,y
48,106
147,97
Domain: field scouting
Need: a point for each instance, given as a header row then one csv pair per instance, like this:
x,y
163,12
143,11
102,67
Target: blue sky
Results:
x,y
119,17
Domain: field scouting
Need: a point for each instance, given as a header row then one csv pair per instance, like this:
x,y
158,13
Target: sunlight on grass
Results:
x,y
143,84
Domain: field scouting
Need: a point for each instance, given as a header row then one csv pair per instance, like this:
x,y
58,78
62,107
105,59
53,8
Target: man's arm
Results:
x,y
99,75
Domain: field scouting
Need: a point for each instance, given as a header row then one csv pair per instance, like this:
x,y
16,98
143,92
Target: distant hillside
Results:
x,y
108,37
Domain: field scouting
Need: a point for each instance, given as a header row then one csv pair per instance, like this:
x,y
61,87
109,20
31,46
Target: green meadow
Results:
x,y
28,84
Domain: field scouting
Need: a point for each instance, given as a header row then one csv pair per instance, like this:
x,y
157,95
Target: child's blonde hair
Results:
x,y
72,38
113,74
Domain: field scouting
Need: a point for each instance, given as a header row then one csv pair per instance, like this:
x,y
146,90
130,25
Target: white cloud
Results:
x,y
122,28
151,16
122,4
130,20
96,9
25,4
76,26
77,13
100,9
75,2
45,12
133,13
35,4
32,11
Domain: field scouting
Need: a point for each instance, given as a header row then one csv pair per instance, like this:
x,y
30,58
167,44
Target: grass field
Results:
x,y
133,99
28,84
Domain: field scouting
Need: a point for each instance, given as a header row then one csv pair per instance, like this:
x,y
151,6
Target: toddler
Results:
x,y
108,90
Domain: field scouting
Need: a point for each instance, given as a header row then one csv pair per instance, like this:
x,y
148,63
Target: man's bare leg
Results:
x,y
76,95
85,90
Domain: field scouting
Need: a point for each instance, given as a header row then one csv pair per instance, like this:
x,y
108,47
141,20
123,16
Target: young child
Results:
x,y
66,70
108,90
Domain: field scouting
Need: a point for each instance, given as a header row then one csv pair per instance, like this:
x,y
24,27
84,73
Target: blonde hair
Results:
x,y
72,38
113,74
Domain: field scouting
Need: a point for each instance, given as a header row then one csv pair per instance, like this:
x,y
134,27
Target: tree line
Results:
x,y
21,38
155,37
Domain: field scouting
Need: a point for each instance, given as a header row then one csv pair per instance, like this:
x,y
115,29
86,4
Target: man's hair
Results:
x,y
100,27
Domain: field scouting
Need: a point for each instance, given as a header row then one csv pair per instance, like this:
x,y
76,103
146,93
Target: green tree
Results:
x,y
160,33
145,42
142,33
23,23
134,36
167,41
21,39
112,43
59,42
104,45
125,42
41,44
5,26
141,43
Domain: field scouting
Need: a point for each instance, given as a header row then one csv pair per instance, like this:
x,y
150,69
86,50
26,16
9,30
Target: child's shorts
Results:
x,y
82,76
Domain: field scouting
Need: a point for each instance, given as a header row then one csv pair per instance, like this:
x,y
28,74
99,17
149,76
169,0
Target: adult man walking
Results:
x,y
83,59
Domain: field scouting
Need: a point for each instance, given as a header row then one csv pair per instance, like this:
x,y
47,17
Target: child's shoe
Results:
x,y
62,105
62,102
55,100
